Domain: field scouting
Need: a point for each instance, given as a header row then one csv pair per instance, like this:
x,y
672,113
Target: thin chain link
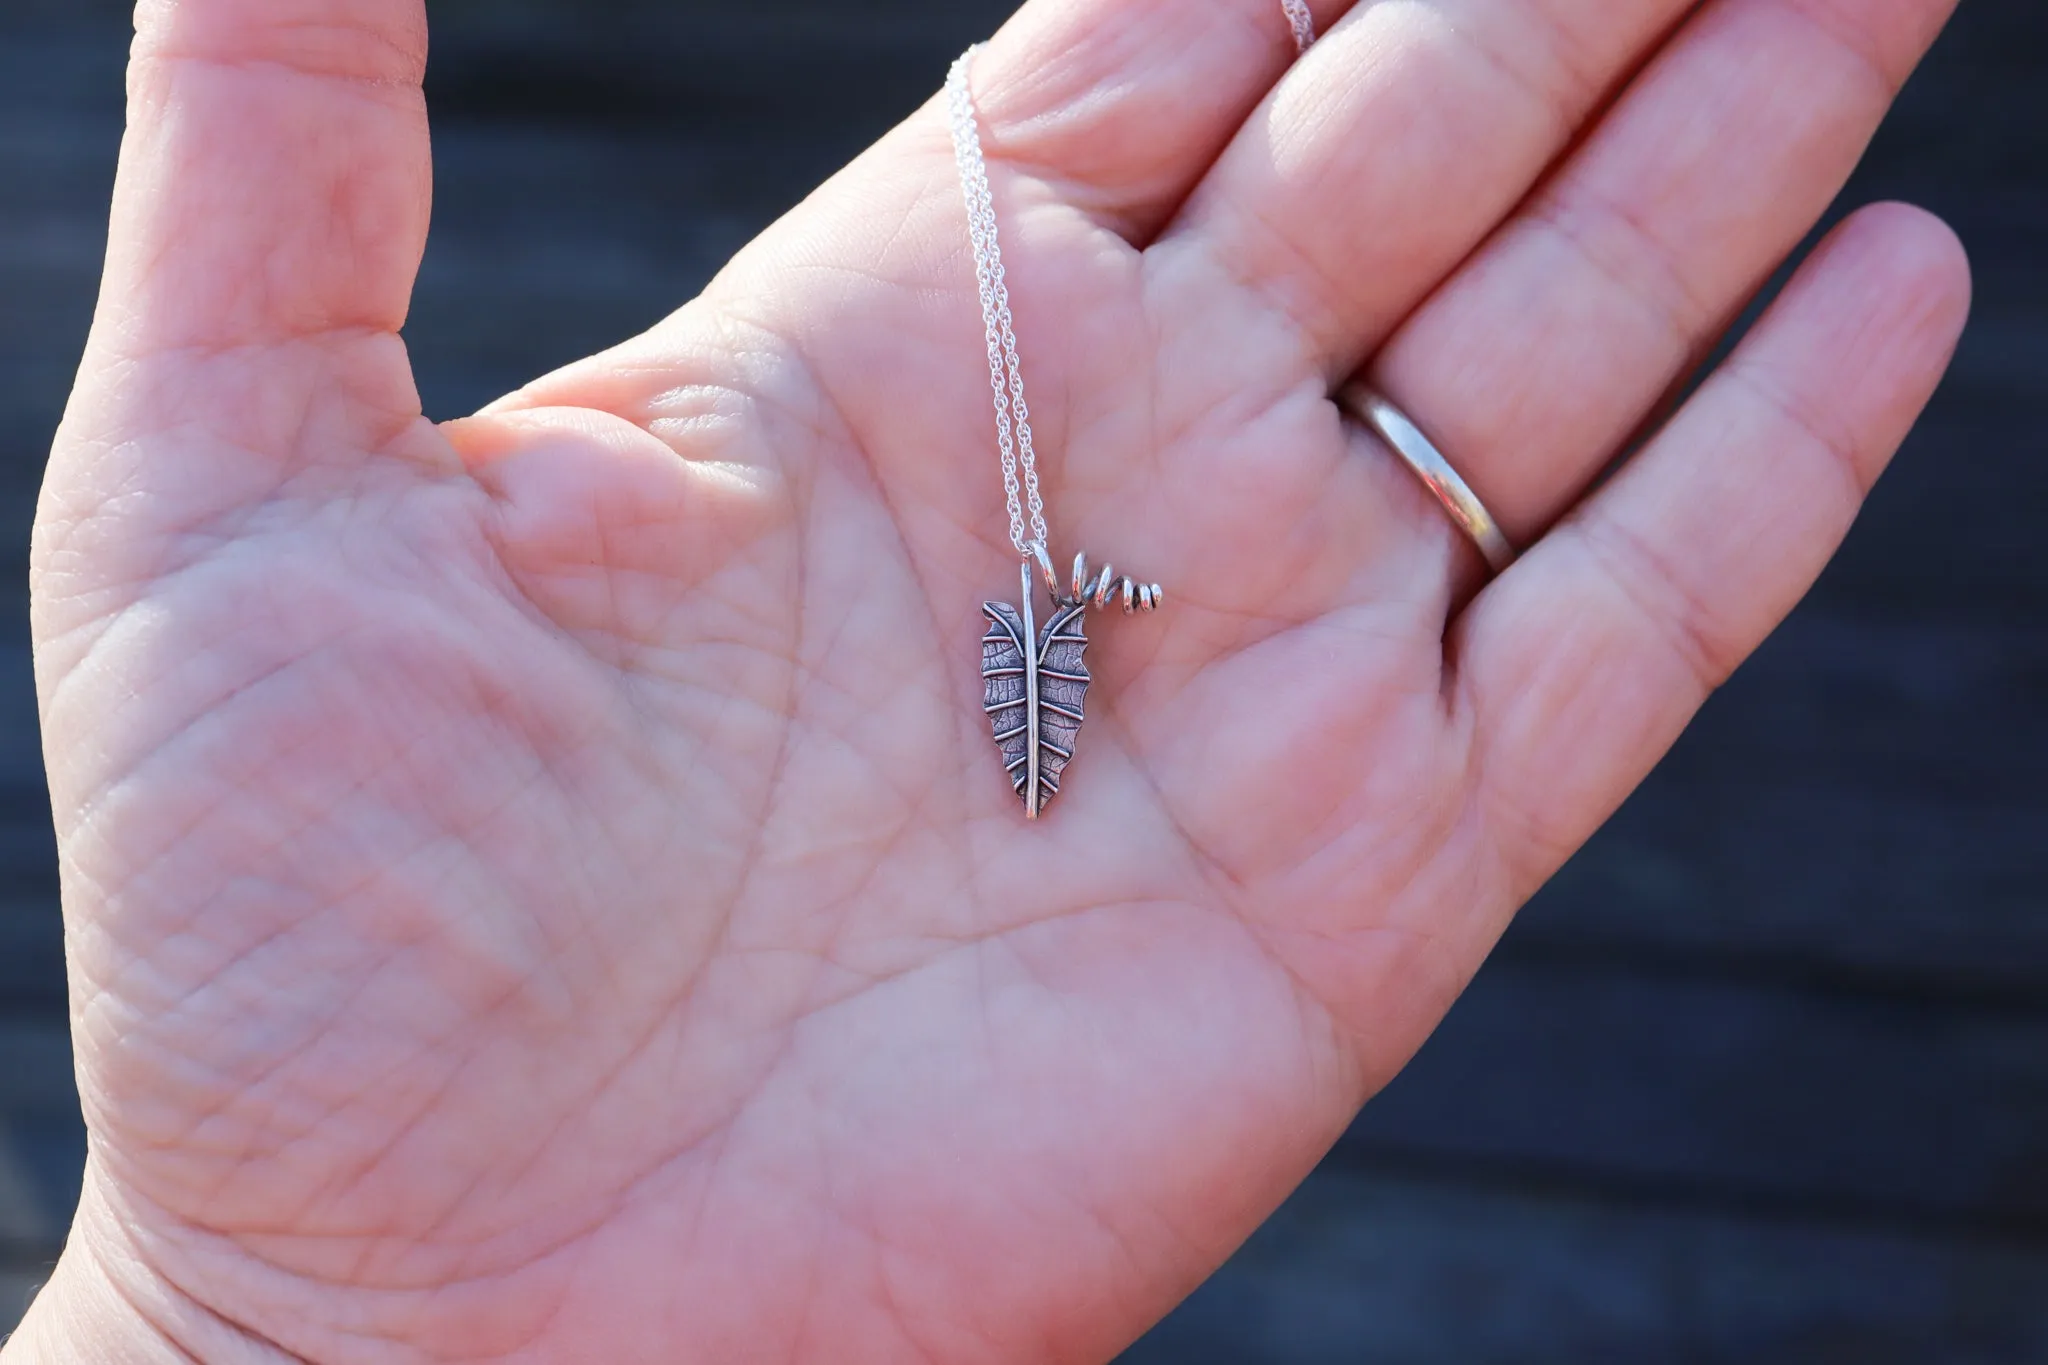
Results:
x,y
1005,372
1304,23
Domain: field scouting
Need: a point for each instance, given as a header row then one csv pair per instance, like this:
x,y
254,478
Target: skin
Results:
x,y
540,887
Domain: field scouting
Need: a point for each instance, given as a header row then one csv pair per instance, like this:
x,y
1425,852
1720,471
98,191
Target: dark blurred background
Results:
x,y
1762,1078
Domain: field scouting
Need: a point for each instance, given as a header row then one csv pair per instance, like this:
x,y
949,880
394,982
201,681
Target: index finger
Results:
x,y
1121,106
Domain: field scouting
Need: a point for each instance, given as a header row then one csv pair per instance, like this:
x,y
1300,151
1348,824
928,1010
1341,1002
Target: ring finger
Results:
x,y
1533,365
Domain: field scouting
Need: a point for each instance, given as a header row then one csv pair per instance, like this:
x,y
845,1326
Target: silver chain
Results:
x,y
1304,23
1005,371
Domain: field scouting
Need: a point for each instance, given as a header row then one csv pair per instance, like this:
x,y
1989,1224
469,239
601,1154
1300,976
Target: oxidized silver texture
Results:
x,y
1035,684
1035,681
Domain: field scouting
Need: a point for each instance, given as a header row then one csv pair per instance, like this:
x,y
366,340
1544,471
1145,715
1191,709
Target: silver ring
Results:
x,y
1360,400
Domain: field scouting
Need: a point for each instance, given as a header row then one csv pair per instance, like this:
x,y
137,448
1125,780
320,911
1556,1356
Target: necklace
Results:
x,y
1034,678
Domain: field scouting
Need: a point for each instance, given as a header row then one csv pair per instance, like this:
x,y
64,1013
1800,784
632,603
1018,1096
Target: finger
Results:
x,y
1121,107
1397,144
1096,116
274,184
269,217
1629,264
1583,663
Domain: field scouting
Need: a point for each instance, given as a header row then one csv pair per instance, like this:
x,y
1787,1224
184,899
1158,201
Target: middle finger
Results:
x,y
1394,147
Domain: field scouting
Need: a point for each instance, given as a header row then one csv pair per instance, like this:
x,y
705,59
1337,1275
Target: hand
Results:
x,y
541,888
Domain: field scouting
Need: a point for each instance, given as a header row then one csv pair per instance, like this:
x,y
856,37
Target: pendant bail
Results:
x,y
1043,558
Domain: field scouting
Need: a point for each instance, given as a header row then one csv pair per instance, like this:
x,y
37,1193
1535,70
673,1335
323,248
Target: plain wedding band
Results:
x,y
1368,405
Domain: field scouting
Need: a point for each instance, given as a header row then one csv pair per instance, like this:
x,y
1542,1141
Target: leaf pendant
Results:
x,y
1036,687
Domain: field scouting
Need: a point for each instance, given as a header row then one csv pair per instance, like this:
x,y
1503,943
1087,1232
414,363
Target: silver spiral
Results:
x,y
1099,590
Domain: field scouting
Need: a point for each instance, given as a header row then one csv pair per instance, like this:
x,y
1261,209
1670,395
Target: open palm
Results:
x,y
541,887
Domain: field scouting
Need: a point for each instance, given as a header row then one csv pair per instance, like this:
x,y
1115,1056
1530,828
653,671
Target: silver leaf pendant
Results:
x,y
1036,689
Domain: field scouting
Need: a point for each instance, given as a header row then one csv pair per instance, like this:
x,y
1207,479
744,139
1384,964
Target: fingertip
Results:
x,y
1921,260
367,42
1863,334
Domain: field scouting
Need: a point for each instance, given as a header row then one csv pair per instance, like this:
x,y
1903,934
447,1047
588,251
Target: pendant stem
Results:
x,y
1032,796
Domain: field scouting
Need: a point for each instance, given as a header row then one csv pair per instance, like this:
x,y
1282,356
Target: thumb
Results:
x,y
275,180
269,217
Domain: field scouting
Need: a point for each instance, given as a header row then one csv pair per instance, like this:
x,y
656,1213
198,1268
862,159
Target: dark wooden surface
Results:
x,y
1763,1077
